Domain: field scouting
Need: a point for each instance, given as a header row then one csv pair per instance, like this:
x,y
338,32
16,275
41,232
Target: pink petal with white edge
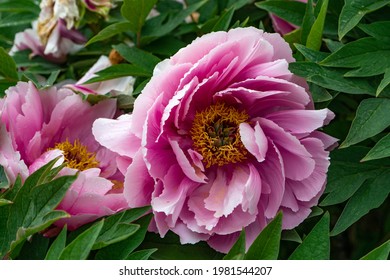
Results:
x,y
307,189
297,160
120,138
186,166
175,189
138,185
301,121
225,195
10,158
272,175
254,140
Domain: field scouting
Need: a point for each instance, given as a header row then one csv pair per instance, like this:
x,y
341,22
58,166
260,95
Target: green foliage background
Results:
x,y
342,48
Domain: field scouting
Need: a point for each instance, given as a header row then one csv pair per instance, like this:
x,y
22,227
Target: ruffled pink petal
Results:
x,y
297,160
301,121
10,158
120,138
254,140
138,185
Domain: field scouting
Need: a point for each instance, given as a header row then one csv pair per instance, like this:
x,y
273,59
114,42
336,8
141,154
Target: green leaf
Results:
x,y
224,20
291,235
291,11
308,21
369,196
319,94
7,66
314,39
80,248
3,179
378,29
118,71
380,253
237,252
316,245
33,206
368,57
266,245
136,11
32,249
384,83
170,248
165,23
310,54
380,150
19,6
354,10
371,119
4,202
110,31
141,255
118,227
345,178
57,246
121,250
331,78
16,19
166,46
138,57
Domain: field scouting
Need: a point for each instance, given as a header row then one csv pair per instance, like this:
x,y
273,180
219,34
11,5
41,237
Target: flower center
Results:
x,y
77,156
215,135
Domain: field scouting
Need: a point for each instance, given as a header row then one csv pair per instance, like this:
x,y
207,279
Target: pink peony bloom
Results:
x,y
41,125
222,138
280,25
114,87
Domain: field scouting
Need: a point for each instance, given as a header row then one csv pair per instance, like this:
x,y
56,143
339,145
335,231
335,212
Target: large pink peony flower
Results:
x,y
222,138
40,125
280,25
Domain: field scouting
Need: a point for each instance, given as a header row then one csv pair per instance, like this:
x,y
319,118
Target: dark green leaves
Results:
x,y
380,150
237,252
354,10
79,248
380,253
316,245
369,196
266,245
138,57
117,231
368,56
118,71
110,31
291,11
371,119
136,11
32,208
7,67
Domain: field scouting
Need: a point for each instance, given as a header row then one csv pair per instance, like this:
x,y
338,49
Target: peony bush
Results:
x,y
194,129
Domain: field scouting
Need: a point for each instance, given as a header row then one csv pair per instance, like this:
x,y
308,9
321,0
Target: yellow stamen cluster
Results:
x,y
215,135
77,156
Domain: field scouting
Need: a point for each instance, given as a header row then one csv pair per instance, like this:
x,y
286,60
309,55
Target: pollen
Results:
x,y
215,135
77,155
